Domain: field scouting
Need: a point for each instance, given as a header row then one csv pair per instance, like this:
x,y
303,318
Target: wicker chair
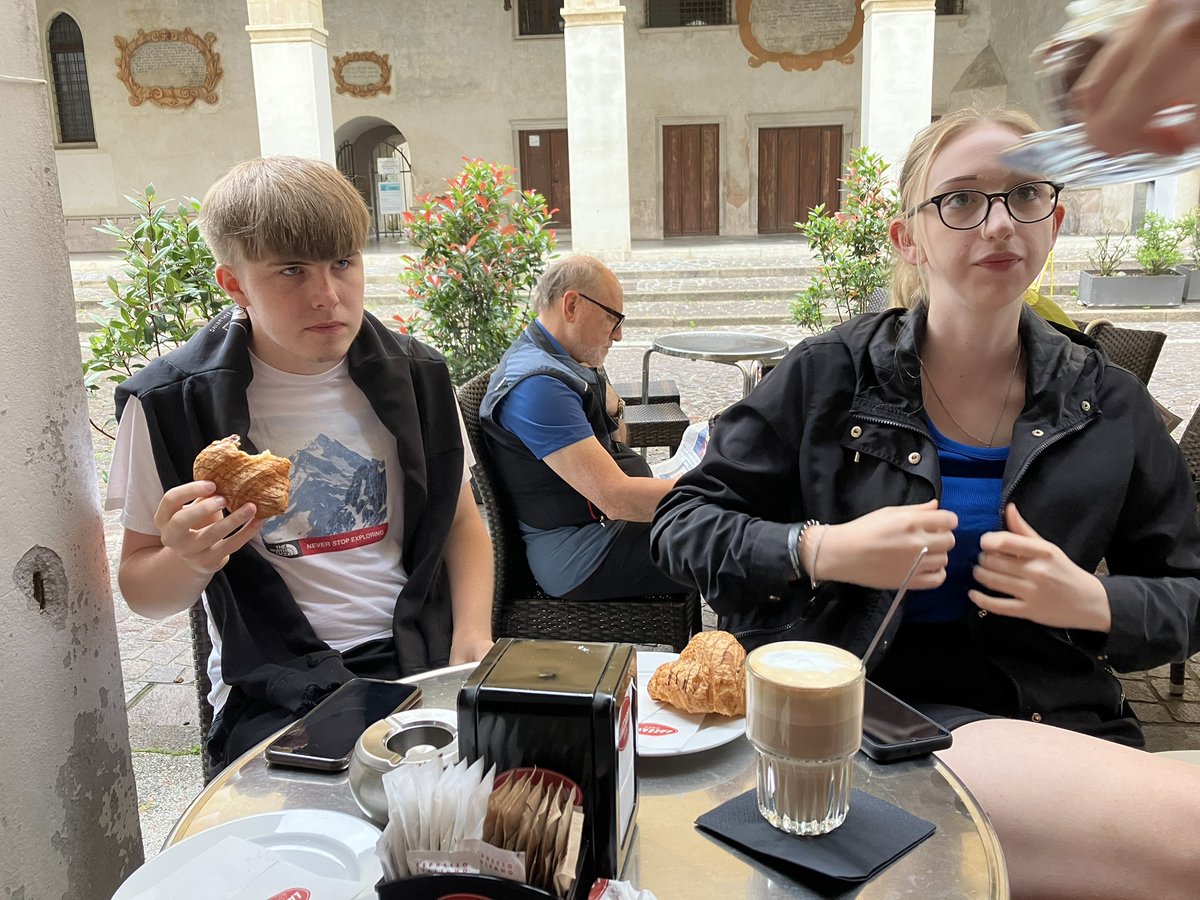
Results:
x,y
1135,349
523,609
201,649
1189,443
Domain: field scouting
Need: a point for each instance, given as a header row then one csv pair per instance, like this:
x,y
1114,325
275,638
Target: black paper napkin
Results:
x,y
874,835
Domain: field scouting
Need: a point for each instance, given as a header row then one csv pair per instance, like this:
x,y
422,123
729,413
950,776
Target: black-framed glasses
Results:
x,y
963,210
619,316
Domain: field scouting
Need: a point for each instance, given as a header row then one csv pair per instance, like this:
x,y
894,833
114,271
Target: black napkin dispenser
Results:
x,y
569,707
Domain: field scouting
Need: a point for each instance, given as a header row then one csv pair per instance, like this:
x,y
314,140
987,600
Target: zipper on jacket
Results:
x,y
1037,451
774,629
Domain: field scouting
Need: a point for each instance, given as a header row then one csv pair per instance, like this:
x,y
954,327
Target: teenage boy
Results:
x,y
381,565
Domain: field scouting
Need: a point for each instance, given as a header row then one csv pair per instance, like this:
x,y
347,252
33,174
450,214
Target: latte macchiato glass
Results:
x,y
804,704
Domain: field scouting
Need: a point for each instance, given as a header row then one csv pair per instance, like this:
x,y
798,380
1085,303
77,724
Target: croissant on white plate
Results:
x,y
261,479
709,676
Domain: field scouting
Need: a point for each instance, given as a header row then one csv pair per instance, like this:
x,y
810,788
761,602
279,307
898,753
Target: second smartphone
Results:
x,y
324,739
893,730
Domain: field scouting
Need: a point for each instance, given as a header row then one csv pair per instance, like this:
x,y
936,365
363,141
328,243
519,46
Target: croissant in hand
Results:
x,y
241,478
709,676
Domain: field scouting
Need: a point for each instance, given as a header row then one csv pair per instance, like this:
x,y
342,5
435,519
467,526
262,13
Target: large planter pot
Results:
x,y
1130,288
1191,290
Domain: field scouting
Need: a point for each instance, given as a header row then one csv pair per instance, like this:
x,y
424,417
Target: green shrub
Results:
x,y
484,244
171,292
852,245
1159,245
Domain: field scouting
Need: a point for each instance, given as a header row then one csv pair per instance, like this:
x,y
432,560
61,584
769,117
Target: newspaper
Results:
x,y
690,452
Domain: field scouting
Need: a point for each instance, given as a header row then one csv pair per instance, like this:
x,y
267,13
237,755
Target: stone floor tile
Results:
x,y
164,651
1183,711
163,674
164,631
1139,690
1151,712
1162,687
134,669
1172,737
165,704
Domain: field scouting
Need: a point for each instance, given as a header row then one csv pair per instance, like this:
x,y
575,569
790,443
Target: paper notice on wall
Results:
x,y
690,452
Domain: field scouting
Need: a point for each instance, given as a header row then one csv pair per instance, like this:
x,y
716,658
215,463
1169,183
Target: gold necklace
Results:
x,y
1004,406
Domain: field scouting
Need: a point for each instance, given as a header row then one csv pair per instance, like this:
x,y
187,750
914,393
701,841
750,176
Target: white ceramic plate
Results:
x,y
331,844
714,731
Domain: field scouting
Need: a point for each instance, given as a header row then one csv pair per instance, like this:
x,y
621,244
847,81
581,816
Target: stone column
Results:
x,y
594,43
291,77
897,75
68,807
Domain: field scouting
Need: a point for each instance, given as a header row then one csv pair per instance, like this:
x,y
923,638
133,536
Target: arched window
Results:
x,y
69,72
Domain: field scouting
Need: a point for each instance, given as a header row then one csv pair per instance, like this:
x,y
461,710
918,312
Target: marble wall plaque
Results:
x,y
169,67
800,34
362,73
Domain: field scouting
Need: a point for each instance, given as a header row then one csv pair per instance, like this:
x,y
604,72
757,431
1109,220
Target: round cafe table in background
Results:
x,y
670,857
733,348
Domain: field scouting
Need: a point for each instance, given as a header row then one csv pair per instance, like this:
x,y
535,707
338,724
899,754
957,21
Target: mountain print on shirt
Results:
x,y
338,501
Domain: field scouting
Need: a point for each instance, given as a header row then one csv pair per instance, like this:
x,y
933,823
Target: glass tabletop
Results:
x,y
720,346
961,859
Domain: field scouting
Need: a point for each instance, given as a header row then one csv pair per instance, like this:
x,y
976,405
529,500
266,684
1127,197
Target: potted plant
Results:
x,y
852,245
1157,250
1189,226
484,244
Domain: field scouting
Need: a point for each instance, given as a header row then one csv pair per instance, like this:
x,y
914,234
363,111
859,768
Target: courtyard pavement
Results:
x,y
156,655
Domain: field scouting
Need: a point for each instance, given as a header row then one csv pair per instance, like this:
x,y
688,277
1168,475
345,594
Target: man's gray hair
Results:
x,y
574,273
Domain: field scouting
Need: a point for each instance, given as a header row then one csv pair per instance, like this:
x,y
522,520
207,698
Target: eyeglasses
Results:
x,y
964,210
620,317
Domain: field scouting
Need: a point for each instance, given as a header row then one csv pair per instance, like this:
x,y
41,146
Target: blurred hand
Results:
x,y
469,648
1152,64
1044,584
878,549
192,526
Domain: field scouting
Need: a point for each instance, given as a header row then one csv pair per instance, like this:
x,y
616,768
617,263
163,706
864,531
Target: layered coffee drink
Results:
x,y
804,704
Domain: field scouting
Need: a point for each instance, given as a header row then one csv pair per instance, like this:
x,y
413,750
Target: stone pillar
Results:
x,y
68,807
291,77
897,75
594,43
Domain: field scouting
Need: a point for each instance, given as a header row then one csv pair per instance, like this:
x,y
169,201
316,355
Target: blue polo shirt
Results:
x,y
547,416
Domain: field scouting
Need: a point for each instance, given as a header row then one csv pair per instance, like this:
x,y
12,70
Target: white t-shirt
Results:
x,y
338,546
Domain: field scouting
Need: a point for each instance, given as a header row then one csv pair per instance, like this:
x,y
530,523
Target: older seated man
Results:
x,y
553,425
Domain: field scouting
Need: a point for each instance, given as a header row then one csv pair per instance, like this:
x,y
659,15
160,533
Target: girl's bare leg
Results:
x,y
1082,817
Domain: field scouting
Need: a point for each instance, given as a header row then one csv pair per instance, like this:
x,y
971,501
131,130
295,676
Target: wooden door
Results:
x,y
545,168
797,169
691,179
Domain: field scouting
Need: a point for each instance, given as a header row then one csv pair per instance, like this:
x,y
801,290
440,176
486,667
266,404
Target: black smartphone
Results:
x,y
893,730
324,738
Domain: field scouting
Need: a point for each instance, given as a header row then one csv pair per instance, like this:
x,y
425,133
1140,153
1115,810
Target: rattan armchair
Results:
x,y
201,650
1189,443
1135,349
522,609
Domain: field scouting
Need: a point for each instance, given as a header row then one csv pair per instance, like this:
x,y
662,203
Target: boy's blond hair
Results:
x,y
283,207
908,286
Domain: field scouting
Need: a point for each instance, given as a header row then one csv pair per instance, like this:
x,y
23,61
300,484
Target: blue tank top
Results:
x,y
972,478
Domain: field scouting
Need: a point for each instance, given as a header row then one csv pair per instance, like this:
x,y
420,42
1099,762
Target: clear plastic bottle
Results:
x,y
1064,153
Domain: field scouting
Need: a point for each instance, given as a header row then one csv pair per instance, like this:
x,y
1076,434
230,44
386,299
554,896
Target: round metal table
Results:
x,y
733,348
669,857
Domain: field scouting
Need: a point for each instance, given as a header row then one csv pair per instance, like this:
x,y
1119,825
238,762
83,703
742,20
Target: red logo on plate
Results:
x,y
653,729
293,894
623,728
